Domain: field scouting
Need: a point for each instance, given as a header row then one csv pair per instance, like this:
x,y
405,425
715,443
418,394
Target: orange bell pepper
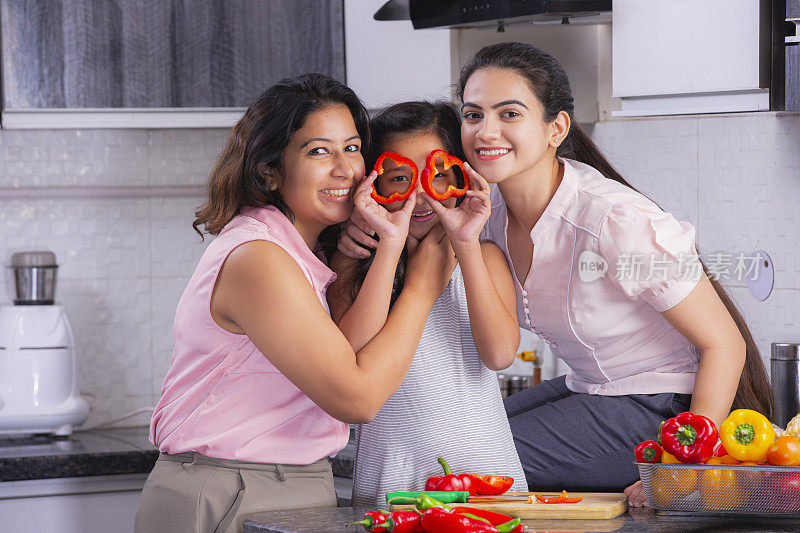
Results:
x,y
720,489
670,485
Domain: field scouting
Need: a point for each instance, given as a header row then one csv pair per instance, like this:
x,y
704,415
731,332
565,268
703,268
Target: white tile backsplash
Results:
x,y
125,261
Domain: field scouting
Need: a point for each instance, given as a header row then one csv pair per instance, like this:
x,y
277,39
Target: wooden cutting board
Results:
x,y
595,505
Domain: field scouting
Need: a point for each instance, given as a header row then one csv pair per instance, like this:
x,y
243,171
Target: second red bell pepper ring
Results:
x,y
430,172
401,161
689,437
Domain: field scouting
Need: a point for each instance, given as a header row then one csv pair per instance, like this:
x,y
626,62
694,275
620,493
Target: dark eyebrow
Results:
x,y
323,139
495,106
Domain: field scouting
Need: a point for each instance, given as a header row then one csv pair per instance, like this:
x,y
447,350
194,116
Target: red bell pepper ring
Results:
x,y
494,518
689,437
401,161
371,518
437,520
648,451
402,522
487,485
561,498
430,172
451,481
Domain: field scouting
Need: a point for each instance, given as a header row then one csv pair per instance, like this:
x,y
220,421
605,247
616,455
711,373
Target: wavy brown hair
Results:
x,y
549,82
257,142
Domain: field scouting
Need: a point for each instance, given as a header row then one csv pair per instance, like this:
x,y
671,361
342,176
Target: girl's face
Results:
x,y
415,146
319,169
503,130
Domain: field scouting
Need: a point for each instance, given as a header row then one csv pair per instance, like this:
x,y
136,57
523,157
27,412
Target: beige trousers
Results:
x,y
189,492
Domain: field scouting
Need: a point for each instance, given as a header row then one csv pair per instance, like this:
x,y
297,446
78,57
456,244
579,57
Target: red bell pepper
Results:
x,y
648,451
561,498
437,520
371,518
451,481
689,437
495,519
402,522
430,172
401,161
719,451
487,485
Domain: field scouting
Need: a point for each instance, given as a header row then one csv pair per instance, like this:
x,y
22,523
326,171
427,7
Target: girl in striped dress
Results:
x,y
449,404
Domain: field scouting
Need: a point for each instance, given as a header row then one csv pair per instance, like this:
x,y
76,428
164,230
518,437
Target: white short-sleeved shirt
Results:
x,y
606,262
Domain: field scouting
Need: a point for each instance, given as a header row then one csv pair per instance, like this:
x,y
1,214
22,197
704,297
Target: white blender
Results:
x,y
38,373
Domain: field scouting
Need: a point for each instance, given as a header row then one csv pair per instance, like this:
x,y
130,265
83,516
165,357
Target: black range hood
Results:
x,y
489,13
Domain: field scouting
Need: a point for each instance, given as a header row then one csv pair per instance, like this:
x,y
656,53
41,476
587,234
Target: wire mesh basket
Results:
x,y
727,489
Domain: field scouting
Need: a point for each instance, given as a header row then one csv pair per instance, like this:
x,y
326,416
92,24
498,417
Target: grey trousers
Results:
x,y
189,492
575,441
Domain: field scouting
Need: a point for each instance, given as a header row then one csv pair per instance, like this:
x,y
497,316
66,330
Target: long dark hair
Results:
x,y
257,142
408,118
549,82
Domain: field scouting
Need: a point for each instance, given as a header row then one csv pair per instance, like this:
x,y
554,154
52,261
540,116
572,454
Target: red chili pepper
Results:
x,y
430,172
402,522
370,519
451,481
689,437
495,519
401,161
561,498
648,451
487,485
438,520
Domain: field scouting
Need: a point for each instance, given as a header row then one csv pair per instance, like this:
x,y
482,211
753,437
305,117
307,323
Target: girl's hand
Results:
x,y
391,227
464,223
431,264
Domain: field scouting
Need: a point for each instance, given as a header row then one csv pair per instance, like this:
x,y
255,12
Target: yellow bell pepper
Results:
x,y
747,435
720,489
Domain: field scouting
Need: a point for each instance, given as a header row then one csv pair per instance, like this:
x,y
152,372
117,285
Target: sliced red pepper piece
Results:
x,y
401,161
442,521
430,172
488,485
689,437
561,498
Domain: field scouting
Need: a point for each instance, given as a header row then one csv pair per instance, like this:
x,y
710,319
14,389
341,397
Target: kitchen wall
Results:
x,y
116,206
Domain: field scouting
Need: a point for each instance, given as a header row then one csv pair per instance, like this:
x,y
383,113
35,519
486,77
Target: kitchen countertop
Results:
x,y
333,520
99,452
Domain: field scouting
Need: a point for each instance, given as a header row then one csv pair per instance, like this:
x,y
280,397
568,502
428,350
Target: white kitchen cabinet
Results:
x,y
100,504
690,56
390,62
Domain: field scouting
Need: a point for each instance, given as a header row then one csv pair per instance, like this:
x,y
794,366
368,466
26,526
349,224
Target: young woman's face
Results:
x,y
416,146
319,168
503,130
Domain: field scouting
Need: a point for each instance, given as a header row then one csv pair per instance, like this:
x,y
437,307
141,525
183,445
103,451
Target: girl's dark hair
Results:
x,y
408,118
549,82
258,140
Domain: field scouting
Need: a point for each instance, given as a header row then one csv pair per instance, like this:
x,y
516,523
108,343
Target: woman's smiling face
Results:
x,y
319,168
503,130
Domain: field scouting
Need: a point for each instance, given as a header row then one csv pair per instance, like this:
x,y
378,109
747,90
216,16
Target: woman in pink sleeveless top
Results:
x,y
262,384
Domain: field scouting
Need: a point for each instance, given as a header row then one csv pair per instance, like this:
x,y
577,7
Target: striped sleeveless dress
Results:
x,y
449,405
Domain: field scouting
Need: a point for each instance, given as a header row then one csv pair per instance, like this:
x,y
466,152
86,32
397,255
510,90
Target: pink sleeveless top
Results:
x,y
222,397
